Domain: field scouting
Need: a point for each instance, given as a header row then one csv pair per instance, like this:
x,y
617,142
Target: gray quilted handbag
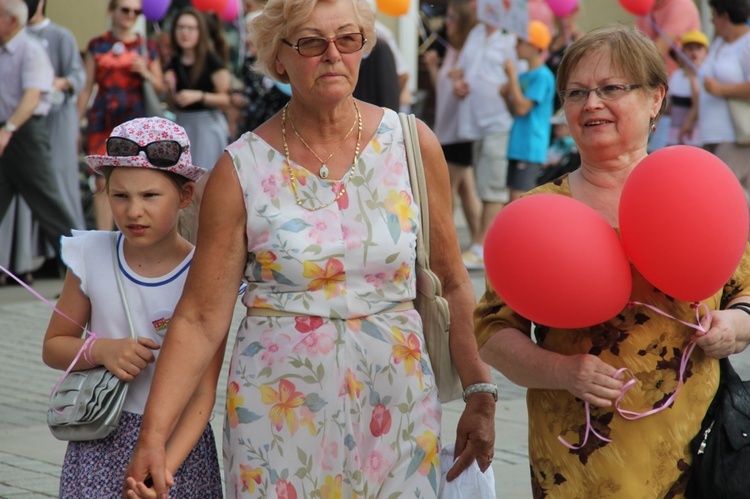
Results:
x,y
87,404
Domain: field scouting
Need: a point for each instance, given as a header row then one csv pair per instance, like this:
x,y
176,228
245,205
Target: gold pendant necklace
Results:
x,y
293,179
323,171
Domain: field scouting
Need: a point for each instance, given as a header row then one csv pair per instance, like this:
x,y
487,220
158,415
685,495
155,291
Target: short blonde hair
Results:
x,y
282,17
630,51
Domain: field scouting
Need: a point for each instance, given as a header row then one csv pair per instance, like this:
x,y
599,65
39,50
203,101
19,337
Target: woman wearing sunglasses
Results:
x,y
329,392
116,63
149,179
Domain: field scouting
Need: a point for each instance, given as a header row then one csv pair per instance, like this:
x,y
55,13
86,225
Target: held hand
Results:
x,y
712,86
589,378
721,327
148,461
238,100
461,88
510,69
135,490
125,358
185,98
475,435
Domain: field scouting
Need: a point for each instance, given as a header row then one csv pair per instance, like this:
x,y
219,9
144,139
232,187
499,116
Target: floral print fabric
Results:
x,y
339,401
648,457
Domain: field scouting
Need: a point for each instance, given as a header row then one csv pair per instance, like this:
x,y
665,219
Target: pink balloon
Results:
x,y
562,8
557,262
684,221
637,7
215,6
154,10
232,11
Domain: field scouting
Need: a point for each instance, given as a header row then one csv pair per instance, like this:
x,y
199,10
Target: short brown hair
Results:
x,y
630,51
281,17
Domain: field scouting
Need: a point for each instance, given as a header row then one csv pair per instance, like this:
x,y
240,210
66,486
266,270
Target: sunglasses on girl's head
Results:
x,y
161,153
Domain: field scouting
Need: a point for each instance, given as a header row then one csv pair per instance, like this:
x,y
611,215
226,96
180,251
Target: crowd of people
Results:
x,y
294,163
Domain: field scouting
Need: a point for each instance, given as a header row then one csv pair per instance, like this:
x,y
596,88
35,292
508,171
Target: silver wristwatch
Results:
x,y
10,127
481,388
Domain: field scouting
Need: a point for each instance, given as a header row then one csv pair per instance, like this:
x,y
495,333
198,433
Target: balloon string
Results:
x,y
90,335
633,415
673,45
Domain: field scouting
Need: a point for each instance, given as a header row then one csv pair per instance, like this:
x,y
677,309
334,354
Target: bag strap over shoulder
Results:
x,y
418,186
124,298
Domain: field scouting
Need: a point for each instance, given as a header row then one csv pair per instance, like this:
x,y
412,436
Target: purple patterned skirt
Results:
x,y
96,469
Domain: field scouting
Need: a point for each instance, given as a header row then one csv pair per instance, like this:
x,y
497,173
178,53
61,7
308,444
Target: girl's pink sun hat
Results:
x,y
144,131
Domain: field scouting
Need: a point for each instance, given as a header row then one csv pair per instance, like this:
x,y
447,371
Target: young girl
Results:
x,y
149,179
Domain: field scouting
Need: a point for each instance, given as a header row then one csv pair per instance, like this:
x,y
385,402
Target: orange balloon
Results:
x,y
393,7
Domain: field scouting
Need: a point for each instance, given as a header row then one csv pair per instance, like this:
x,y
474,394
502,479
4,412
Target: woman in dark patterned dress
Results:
x,y
115,62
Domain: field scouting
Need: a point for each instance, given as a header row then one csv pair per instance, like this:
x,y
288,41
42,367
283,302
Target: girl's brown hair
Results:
x,y
204,43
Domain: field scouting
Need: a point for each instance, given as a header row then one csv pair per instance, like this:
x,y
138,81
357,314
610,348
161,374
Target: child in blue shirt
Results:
x,y
529,97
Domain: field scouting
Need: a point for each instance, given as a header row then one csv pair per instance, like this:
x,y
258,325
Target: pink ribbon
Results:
x,y
633,415
84,350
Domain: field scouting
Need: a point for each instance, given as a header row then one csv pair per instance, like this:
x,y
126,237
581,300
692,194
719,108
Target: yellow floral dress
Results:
x,y
338,401
648,457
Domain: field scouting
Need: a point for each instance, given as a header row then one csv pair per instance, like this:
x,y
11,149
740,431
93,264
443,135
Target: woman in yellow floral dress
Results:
x,y
612,84
330,391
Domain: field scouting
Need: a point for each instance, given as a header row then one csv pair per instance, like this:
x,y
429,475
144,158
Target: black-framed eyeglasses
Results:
x,y
127,11
605,92
161,153
312,46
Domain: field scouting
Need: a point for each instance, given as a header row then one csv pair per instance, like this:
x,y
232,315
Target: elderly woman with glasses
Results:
x,y
612,84
330,392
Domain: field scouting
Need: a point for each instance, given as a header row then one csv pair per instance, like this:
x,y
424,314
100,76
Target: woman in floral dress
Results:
x,y
330,390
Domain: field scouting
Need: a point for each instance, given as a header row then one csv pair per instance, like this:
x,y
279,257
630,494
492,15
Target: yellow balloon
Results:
x,y
393,7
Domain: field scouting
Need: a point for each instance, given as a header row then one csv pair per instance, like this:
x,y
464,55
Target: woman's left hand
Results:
x,y
721,327
475,435
185,98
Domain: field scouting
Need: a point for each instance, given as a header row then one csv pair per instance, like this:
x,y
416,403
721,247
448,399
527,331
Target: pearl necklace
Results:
x,y
293,179
323,171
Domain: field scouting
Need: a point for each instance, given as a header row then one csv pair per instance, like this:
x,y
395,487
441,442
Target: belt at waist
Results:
x,y
267,312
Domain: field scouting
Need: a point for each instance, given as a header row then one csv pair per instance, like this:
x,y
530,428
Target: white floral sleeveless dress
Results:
x,y
338,401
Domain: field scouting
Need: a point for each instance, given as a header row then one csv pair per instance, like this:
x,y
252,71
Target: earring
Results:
x,y
652,124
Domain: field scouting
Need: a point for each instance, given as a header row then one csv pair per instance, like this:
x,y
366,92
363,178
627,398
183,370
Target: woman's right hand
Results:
x,y
139,490
589,378
149,461
124,358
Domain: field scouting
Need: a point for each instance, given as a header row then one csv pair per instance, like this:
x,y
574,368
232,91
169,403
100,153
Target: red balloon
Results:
x,y
557,262
562,8
684,221
215,6
637,7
